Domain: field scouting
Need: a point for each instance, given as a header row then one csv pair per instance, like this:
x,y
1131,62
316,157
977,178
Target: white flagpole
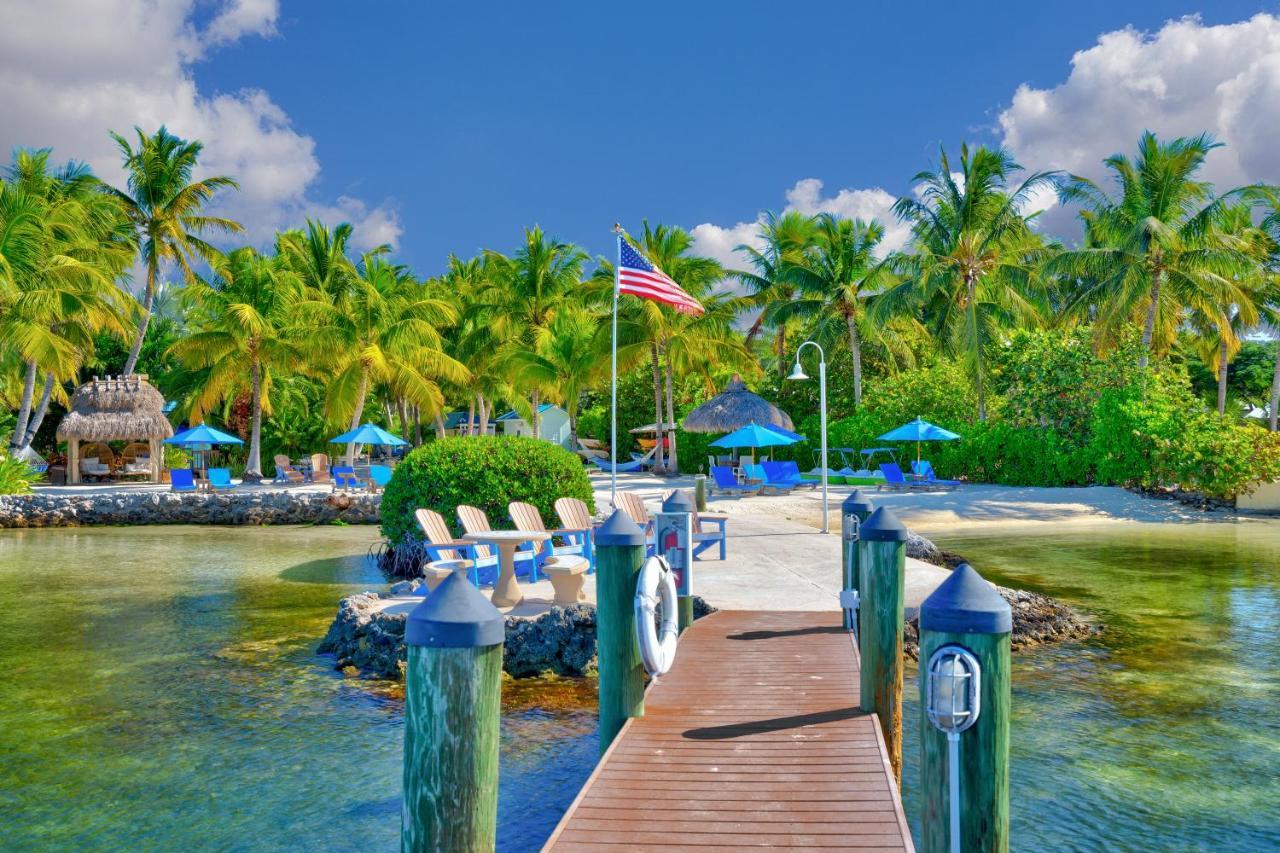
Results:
x,y
613,405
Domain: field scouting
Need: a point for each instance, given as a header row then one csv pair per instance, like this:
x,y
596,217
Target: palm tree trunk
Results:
x,y
1222,376
971,287
672,463
1275,389
147,299
755,328
357,414
402,409
536,397
417,425
253,468
42,409
855,350
782,351
659,457
484,415
24,409
439,427
471,417
1149,327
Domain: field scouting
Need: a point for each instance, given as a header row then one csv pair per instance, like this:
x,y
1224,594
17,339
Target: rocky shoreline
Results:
x,y
258,506
366,637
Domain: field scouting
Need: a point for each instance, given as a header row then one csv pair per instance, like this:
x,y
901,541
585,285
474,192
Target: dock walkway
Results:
x,y
754,739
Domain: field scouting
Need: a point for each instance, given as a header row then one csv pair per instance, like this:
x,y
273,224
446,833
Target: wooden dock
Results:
x,y
754,739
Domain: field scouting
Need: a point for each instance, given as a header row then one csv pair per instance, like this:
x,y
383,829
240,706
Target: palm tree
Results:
x,y
1267,199
1151,253
972,268
834,280
382,329
62,245
786,240
165,206
525,290
242,334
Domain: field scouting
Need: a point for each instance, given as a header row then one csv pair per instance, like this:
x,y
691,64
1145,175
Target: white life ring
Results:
x,y
657,583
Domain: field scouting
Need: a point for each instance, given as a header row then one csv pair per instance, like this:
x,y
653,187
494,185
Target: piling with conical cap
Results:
x,y
853,512
882,558
453,699
967,611
619,556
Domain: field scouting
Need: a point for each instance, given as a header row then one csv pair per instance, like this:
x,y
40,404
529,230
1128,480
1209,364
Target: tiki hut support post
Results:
x,y
115,409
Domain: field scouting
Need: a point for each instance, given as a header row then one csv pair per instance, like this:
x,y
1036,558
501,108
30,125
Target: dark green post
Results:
x,y
619,556
453,699
853,512
967,612
882,554
700,492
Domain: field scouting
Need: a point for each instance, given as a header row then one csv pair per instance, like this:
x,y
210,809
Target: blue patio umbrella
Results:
x,y
919,430
794,436
201,438
369,434
753,435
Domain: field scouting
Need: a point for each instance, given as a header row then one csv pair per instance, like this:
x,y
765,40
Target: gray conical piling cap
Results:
x,y
678,502
857,503
964,603
455,615
619,529
883,526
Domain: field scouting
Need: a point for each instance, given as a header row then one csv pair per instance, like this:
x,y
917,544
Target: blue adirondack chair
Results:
x,y
724,481
344,477
220,479
924,470
182,480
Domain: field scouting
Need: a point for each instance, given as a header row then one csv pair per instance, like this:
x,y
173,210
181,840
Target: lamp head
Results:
x,y
797,372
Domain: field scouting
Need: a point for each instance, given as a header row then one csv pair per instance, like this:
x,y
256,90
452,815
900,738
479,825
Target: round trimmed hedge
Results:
x,y
486,472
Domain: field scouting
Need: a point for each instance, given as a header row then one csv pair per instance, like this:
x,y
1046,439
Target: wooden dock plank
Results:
x,y
754,739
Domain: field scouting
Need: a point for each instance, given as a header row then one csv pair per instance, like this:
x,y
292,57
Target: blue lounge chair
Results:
x,y
220,479
380,475
724,481
924,470
757,474
895,480
785,474
344,477
182,480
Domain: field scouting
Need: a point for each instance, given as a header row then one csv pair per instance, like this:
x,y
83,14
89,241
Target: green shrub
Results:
x,y
16,476
484,471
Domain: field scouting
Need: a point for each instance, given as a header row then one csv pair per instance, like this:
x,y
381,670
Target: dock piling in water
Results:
x,y
853,512
453,698
882,555
619,556
966,613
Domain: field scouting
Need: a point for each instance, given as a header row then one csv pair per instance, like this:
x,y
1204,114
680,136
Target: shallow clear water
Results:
x,y
159,689
1163,733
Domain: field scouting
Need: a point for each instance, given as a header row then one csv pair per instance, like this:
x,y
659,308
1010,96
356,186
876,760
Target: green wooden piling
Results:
x,y
967,611
882,554
453,699
619,556
853,512
700,492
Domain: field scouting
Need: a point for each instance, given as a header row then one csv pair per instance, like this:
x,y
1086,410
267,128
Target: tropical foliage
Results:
x,y
1060,364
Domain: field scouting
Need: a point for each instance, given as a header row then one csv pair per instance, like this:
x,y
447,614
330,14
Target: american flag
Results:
x,y
640,278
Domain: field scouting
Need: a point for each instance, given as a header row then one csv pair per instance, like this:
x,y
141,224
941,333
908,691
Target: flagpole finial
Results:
x,y
617,228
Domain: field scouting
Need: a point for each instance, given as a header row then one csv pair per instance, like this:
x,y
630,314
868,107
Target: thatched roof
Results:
x,y
733,408
122,407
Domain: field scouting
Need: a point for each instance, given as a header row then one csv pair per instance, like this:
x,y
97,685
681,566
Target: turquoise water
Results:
x,y
159,690
1162,733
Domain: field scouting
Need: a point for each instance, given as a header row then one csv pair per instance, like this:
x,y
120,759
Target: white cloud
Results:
x,y
70,71
1183,79
719,242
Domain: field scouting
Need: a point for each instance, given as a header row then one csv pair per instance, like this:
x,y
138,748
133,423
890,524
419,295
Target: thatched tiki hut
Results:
x,y
734,408
125,408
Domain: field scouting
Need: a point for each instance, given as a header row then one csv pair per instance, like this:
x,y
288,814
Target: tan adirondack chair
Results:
x,y
284,468
565,565
320,469
574,514
633,505
438,534
474,520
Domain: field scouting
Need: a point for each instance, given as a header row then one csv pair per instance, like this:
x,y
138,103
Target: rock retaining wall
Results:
x,y
257,506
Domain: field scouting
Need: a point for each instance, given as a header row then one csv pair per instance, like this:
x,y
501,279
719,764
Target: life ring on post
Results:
x,y
657,585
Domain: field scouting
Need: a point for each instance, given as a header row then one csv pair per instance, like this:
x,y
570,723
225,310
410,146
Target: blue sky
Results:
x,y
452,126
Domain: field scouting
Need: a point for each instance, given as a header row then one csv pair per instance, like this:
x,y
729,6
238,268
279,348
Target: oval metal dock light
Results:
x,y
853,511
453,700
965,628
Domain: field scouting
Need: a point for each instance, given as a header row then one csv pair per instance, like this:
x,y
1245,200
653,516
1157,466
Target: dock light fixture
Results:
x,y
798,375
953,704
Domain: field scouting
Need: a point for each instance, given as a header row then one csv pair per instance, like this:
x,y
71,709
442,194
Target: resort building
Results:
x,y
553,425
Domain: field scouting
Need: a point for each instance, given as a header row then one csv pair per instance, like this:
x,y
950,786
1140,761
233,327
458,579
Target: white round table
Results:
x,y
506,592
